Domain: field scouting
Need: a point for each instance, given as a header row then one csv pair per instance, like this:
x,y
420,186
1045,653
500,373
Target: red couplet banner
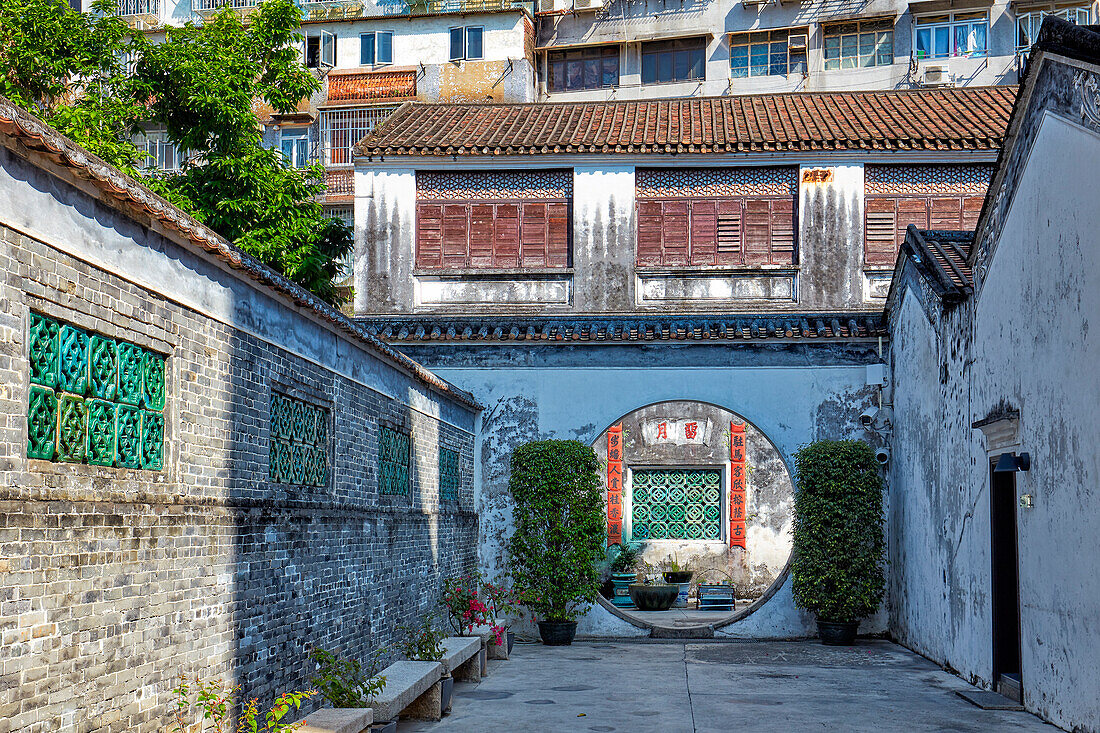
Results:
x,y
615,484
737,485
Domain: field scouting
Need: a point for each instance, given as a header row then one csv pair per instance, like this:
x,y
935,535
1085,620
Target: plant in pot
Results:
x,y
424,643
837,564
653,596
622,567
348,683
559,536
676,574
504,606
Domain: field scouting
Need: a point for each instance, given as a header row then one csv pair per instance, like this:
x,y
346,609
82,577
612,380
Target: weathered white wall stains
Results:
x,y
1025,341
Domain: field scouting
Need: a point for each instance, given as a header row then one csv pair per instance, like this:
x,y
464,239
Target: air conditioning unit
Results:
x,y
546,6
582,5
796,42
936,75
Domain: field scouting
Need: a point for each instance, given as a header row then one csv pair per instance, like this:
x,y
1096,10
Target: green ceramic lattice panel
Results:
x,y
73,369
42,423
102,367
44,350
299,442
393,462
93,416
152,440
130,373
152,380
448,474
128,437
72,428
676,504
101,432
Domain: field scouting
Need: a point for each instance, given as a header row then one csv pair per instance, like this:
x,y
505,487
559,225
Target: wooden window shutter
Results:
x,y
880,232
429,235
910,211
729,233
558,234
481,235
757,225
506,228
533,235
456,227
704,232
782,233
676,234
650,228
946,214
972,208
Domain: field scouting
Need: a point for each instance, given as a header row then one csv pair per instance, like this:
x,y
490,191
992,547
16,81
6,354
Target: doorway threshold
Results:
x,y
987,700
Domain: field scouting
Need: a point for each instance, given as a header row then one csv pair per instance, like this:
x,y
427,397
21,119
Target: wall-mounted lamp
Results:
x,y
1010,462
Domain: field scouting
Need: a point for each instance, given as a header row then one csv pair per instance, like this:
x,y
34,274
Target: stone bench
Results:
x,y
413,690
462,658
338,720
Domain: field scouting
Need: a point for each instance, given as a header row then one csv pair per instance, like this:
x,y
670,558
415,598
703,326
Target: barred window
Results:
x,y
342,129
393,462
299,442
449,478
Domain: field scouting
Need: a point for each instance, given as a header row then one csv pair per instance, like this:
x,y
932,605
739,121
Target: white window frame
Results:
x,y
1027,23
465,42
298,138
326,51
375,60
950,23
160,153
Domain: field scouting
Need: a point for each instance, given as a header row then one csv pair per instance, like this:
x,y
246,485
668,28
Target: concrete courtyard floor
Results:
x,y
692,687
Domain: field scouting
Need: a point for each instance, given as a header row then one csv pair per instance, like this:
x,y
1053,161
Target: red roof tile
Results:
x,y
927,119
366,86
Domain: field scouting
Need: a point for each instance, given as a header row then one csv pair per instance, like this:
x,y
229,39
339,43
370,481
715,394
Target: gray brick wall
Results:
x,y
115,581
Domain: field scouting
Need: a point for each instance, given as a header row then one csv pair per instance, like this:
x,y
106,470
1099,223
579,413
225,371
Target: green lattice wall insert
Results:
x,y
93,399
299,442
393,462
448,474
676,504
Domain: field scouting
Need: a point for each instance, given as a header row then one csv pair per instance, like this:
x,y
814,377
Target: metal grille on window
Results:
x,y
93,399
342,129
393,462
676,504
448,474
299,442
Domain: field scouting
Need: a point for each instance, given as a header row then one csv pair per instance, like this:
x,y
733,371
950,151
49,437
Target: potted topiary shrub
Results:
x,y
837,564
559,533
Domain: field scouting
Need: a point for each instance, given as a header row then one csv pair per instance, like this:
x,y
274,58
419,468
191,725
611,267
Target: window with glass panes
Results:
x,y
585,68
160,153
294,142
1027,23
376,49
681,59
766,53
952,34
859,44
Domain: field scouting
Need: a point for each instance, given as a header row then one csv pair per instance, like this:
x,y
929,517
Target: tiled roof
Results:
x,y
129,195
927,119
943,256
371,85
748,327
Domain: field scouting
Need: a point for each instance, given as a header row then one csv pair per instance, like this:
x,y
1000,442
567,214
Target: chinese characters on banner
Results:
x,y
737,485
615,484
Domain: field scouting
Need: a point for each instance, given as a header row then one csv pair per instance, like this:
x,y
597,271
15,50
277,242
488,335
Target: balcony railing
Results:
x,y
338,9
206,7
140,11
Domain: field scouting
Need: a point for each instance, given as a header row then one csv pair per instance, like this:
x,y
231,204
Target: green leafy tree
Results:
x,y
560,526
837,564
201,84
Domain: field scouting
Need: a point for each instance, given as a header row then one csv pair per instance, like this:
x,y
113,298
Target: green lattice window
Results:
x,y
93,399
448,474
393,462
299,442
676,504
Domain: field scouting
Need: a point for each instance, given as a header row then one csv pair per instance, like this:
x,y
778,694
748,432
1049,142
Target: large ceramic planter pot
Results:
x,y
653,597
621,594
837,633
511,641
557,633
446,692
682,579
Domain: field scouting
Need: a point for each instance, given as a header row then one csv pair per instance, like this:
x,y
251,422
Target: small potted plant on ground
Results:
x,y
348,683
837,564
559,537
675,574
424,643
624,560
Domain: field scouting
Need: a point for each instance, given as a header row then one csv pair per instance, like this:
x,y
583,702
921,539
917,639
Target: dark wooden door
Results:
x,y
1006,583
